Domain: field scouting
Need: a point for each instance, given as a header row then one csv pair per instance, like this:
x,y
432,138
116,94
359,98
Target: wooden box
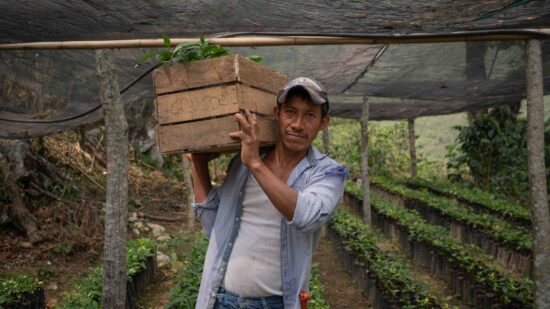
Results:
x,y
196,103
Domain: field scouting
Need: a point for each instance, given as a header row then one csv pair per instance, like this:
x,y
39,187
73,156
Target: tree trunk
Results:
x,y
16,175
326,140
116,206
367,216
412,147
537,175
189,188
18,209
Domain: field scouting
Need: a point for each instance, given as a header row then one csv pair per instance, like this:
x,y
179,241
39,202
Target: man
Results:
x,y
264,221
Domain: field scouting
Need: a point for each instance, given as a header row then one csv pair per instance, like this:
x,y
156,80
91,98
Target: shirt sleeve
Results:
x,y
207,210
318,201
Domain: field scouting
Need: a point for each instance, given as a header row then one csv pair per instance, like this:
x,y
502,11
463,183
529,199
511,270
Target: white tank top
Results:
x,y
254,268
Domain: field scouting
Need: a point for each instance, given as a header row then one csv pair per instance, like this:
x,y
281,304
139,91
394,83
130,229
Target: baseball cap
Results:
x,y
316,90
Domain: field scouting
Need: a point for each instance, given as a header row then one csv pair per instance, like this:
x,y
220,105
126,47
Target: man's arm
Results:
x,y
201,175
307,209
206,198
283,197
279,193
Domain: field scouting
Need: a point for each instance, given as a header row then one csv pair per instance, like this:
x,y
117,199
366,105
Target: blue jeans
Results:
x,y
228,300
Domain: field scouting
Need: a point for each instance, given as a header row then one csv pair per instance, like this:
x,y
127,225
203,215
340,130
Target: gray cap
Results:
x,y
316,90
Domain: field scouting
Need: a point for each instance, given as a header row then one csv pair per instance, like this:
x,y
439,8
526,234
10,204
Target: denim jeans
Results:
x,y
228,300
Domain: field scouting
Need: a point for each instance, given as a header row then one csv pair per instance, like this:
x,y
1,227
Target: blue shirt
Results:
x,y
319,181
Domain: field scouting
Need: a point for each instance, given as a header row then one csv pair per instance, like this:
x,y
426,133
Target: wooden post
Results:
x,y
367,216
326,140
412,147
116,206
537,174
189,188
326,148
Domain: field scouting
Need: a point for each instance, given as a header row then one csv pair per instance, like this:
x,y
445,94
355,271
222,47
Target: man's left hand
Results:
x,y
250,140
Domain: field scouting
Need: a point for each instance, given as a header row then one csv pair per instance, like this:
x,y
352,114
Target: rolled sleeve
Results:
x,y
207,210
318,201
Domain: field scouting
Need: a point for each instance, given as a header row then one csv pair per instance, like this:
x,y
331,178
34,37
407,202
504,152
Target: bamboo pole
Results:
x,y
537,174
412,147
258,40
116,205
367,215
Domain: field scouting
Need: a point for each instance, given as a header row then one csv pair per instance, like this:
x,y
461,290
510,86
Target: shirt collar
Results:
x,y
313,155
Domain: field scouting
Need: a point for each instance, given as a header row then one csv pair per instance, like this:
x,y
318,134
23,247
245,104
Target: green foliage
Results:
x,y
503,207
391,273
186,289
345,144
14,286
494,151
438,238
88,291
137,252
495,228
188,52
316,290
388,147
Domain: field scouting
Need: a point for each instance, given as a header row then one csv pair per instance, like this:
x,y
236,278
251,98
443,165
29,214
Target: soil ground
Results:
x,y
341,292
75,241
73,226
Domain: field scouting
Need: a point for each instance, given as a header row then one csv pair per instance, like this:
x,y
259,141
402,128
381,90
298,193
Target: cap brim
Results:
x,y
312,94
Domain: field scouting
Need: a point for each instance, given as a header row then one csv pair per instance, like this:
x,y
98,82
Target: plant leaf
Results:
x,y
164,56
183,46
166,39
256,58
148,55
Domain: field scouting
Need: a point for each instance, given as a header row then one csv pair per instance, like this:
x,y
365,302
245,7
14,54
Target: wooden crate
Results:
x,y
196,103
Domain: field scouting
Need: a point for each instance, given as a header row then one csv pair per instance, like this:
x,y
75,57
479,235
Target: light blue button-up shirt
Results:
x,y
319,181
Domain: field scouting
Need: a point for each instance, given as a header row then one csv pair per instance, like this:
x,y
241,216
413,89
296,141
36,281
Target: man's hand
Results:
x,y
250,140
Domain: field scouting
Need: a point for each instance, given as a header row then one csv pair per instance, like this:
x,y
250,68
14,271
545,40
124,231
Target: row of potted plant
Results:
x,y
186,288
21,291
140,268
480,199
488,282
391,276
497,229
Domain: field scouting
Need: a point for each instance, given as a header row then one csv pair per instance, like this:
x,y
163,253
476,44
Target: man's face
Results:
x,y
299,122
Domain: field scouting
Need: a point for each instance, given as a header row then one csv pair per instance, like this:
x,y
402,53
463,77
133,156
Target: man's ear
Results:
x,y
324,122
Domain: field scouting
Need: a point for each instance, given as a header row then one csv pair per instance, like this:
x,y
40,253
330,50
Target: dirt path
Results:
x,y
341,292
435,286
157,294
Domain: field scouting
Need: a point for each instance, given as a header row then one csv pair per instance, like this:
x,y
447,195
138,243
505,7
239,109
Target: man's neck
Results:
x,y
284,159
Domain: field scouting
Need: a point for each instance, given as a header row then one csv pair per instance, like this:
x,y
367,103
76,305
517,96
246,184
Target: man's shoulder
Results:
x,y
327,164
